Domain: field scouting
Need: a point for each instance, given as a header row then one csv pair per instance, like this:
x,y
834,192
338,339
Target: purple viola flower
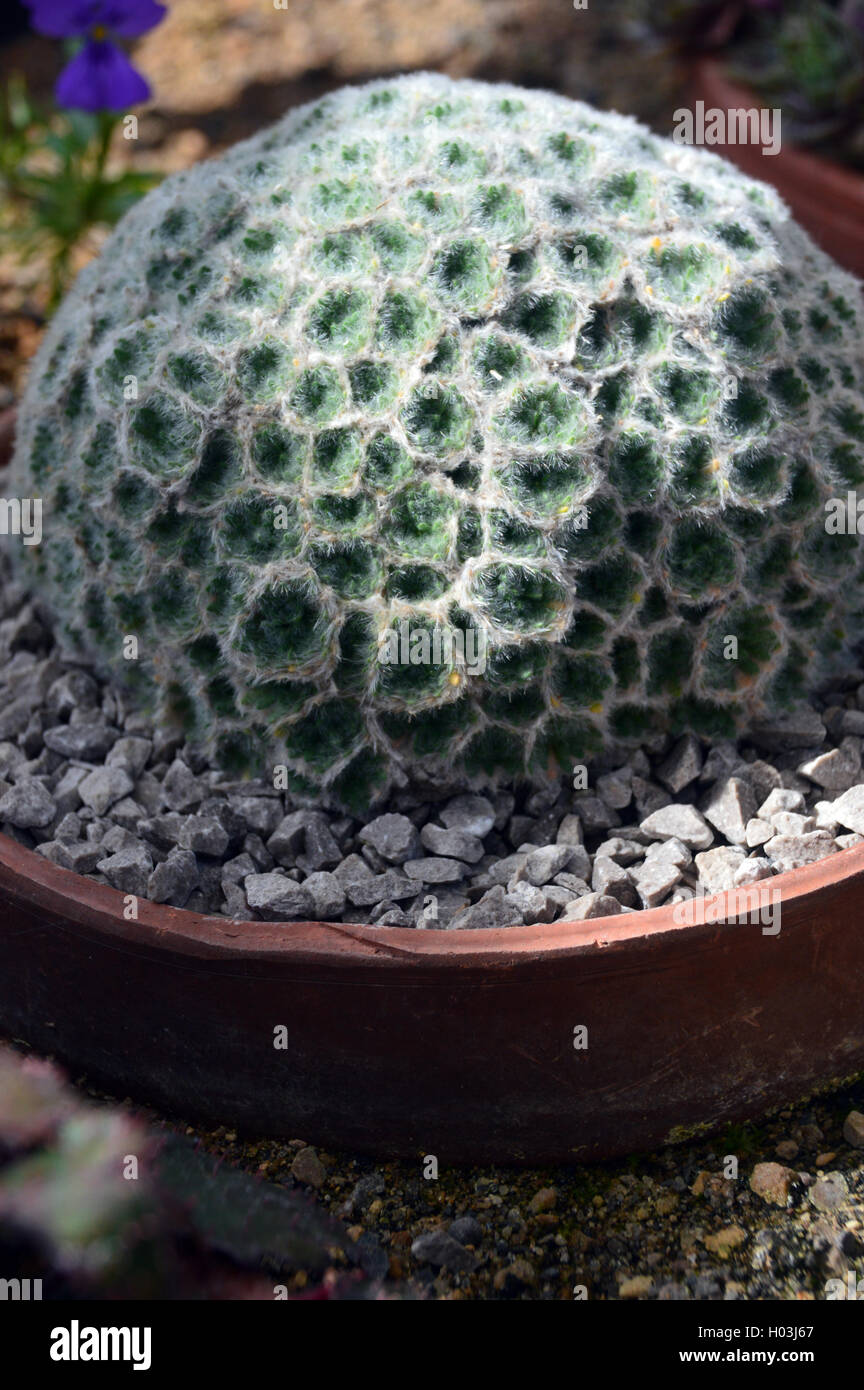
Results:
x,y
100,77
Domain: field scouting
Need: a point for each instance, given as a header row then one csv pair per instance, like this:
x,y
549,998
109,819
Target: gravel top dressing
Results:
x,y
87,782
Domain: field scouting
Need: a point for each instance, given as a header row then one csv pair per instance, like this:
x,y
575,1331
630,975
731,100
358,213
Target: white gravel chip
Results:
x,y
837,770
679,822
729,807
791,851
847,810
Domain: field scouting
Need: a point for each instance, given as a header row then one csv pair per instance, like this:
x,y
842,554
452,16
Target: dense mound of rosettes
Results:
x,y
459,356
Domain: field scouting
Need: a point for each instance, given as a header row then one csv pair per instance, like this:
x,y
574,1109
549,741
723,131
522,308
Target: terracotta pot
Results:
x,y
826,198
458,1044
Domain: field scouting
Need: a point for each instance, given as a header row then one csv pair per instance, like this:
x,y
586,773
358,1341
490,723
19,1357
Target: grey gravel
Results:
x,y
327,893
729,807
28,805
434,870
493,910
86,781
86,741
474,814
277,897
591,905
204,834
838,769
453,844
683,765
180,788
128,870
174,879
544,863
392,836
679,822
364,892
101,788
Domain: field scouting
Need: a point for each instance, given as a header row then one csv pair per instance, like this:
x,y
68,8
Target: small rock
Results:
x,y
829,1193
132,754
791,851
648,797
473,814
611,879
729,807
544,863
128,813
531,904
467,1230
262,814
204,835
848,809
434,870
393,836
351,870
639,1286
680,822
683,765
801,729
752,870
787,1149
616,788
780,799
128,870
104,786
88,742
570,831
837,770
773,1183
722,1242
442,1251
654,880
28,805
544,1200
853,1129
79,855
308,1168
590,906
622,851
328,896
452,844
757,832
277,897
364,892
595,814
493,910
174,879
180,788
716,868
73,690
521,1274
791,823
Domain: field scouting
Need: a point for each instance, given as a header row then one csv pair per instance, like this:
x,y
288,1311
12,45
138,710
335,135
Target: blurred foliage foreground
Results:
x,y
98,1205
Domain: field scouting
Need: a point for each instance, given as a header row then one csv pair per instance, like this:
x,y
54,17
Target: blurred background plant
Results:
x,y
54,178
805,56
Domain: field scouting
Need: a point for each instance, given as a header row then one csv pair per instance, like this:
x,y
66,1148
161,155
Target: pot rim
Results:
x,y
801,164
29,878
